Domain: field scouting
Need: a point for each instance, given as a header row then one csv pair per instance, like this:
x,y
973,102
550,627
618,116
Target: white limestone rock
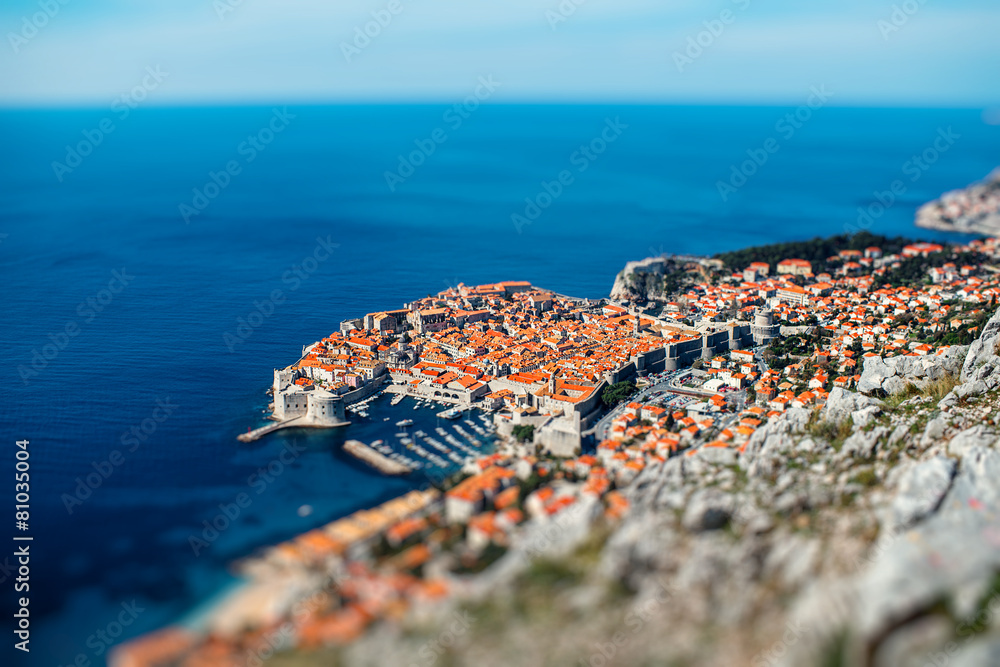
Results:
x,y
895,385
977,653
840,404
875,373
977,436
893,375
983,349
920,487
862,444
708,509
865,416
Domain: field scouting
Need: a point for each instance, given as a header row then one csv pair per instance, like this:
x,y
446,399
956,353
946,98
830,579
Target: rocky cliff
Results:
x,y
651,278
630,283
864,533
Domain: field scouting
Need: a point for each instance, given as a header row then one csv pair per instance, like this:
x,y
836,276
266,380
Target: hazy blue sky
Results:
x,y
945,54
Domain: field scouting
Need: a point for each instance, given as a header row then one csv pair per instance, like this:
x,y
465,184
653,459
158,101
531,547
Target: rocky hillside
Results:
x,y
864,533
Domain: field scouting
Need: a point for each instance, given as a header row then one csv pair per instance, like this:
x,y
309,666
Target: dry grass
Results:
x,y
940,388
830,431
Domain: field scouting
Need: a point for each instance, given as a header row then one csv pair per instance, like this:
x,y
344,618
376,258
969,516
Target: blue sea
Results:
x,y
173,258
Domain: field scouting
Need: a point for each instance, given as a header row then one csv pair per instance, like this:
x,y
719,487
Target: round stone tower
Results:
x,y
764,329
707,350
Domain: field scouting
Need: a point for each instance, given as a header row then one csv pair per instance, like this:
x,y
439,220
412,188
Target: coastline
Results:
x,y
971,210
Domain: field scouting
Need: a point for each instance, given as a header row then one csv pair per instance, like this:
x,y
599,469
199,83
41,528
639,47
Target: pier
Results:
x,y
381,463
299,422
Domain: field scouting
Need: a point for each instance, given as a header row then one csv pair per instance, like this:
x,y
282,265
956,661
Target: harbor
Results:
x,y
415,436
425,442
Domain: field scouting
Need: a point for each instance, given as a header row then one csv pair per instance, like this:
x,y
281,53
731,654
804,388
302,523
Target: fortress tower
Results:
x,y
764,330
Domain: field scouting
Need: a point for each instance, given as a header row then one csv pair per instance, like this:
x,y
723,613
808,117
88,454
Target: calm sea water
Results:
x,y
172,333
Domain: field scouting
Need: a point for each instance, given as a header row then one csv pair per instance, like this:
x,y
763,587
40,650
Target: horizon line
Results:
x,y
37,105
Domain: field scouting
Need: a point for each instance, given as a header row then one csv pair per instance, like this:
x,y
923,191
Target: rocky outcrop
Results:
x,y
628,286
920,486
886,377
708,509
842,404
980,372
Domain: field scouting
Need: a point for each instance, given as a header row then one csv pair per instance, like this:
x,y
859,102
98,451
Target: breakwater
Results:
x,y
300,422
381,463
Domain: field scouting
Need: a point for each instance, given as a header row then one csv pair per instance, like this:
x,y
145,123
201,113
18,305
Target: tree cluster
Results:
x,y
618,392
815,251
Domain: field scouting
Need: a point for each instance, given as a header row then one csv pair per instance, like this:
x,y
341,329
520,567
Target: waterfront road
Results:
x,y
662,385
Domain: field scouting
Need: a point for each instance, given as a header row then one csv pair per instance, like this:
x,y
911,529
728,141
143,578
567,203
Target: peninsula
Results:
x,y
973,210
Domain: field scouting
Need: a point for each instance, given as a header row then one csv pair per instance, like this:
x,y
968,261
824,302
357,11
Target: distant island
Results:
x,y
973,210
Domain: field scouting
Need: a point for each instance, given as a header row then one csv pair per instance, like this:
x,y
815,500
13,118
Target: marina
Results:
x,y
428,441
